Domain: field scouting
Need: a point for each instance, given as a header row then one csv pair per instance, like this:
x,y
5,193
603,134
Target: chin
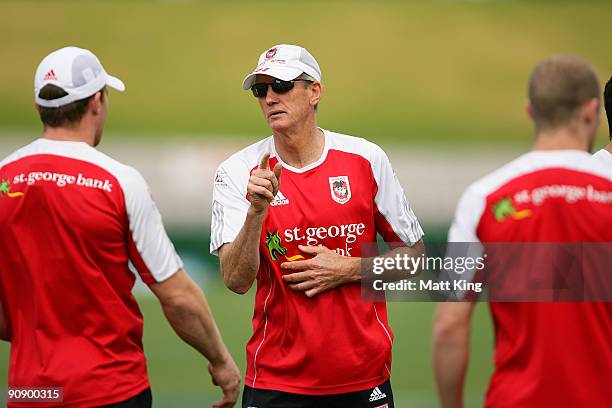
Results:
x,y
278,125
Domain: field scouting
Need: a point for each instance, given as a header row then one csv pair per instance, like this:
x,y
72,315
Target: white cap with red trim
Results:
x,y
77,71
285,62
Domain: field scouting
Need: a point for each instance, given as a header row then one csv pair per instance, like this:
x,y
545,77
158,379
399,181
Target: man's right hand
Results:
x,y
226,376
240,258
189,315
263,184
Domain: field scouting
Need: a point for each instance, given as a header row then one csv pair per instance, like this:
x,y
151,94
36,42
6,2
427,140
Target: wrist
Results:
x,y
256,213
221,359
353,269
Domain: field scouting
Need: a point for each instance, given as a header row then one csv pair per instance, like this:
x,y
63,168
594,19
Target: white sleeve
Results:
x,y
467,216
150,249
230,205
393,216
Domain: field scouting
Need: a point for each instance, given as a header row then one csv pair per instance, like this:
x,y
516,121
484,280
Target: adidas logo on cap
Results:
x,y
279,199
377,394
50,75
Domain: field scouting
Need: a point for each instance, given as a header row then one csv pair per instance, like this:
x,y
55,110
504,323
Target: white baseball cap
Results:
x,y
77,71
285,62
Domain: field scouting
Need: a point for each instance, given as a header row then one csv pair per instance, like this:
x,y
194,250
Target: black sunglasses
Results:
x,y
278,86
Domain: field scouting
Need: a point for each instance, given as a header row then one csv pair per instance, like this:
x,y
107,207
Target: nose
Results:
x,y
271,96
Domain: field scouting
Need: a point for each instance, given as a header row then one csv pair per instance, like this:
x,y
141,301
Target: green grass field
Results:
x,y
412,72
180,379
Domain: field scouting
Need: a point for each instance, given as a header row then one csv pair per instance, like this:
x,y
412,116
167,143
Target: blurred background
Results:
x,y
440,85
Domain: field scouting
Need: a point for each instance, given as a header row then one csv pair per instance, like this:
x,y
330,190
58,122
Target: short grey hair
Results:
x,y
558,87
304,76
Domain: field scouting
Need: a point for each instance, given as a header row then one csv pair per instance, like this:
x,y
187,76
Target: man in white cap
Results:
x,y
315,343
72,218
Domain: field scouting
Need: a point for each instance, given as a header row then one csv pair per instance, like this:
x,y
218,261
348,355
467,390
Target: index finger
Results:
x,y
296,277
295,265
264,163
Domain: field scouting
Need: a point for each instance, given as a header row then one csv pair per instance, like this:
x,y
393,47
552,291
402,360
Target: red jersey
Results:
x,y
334,342
546,354
70,220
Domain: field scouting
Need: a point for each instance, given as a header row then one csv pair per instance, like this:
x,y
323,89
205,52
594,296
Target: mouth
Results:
x,y
275,114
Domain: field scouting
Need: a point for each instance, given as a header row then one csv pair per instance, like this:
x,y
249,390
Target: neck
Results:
x,y
609,147
301,146
70,134
561,139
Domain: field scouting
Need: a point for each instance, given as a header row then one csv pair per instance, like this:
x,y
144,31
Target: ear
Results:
x,y
95,104
317,91
529,110
590,111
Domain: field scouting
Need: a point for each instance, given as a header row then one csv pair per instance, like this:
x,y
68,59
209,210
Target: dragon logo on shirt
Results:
x,y
276,248
504,209
275,245
5,189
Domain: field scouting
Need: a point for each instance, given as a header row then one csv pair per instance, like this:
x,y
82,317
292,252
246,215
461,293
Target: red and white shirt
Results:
x,y
546,354
334,342
70,220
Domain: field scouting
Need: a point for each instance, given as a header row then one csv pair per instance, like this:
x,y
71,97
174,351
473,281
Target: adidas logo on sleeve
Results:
x,y
377,394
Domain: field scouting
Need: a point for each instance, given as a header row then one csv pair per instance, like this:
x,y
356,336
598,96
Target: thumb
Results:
x,y
264,163
277,171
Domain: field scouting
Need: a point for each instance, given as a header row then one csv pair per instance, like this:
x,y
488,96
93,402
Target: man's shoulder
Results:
x,y
247,158
355,145
532,163
603,153
498,177
20,153
604,157
75,151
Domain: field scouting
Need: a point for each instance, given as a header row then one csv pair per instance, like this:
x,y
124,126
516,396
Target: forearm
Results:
x,y
450,360
240,259
191,318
